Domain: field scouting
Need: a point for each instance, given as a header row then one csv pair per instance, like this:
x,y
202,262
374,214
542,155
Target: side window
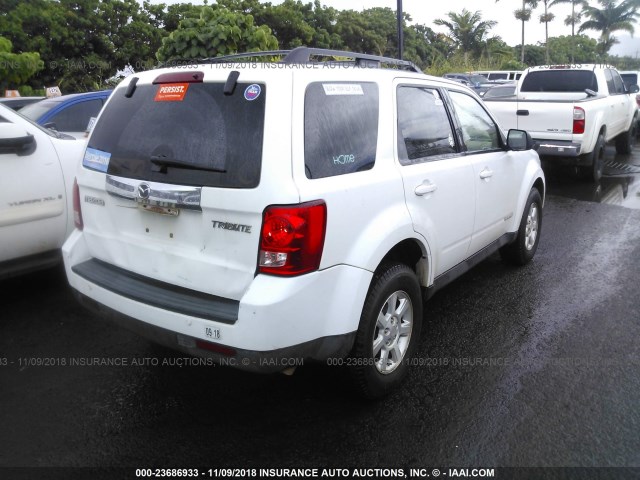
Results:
x,y
610,84
618,82
76,117
479,132
340,128
424,129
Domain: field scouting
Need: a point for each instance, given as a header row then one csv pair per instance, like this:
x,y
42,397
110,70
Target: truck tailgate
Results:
x,y
544,119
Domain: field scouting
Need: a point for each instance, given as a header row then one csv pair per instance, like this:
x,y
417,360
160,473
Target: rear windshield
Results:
x,y
340,128
186,134
560,81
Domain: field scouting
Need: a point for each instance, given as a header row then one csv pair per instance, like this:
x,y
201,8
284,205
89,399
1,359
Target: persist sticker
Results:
x,y
342,89
96,160
171,92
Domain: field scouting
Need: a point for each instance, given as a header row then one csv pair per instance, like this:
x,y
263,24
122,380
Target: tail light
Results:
x,y
292,238
578,120
77,211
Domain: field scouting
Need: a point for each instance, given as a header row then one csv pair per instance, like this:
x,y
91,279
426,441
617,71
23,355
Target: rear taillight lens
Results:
x,y
77,211
292,238
578,120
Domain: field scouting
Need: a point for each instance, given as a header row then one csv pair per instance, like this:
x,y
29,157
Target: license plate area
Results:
x,y
169,211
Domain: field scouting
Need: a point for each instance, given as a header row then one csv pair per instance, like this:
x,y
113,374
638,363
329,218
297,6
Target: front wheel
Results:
x,y
522,250
389,331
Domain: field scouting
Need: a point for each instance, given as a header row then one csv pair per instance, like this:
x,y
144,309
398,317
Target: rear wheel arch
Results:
x,y
412,253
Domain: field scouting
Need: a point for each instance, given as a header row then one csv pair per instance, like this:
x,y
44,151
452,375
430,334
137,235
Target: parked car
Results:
x,y
503,75
500,91
263,216
630,79
479,83
573,111
16,103
70,114
37,168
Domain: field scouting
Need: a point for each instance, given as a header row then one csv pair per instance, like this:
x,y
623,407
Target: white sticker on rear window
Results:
x,y
342,89
96,160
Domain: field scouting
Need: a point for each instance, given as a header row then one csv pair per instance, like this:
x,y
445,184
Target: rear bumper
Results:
x,y
558,148
277,322
270,361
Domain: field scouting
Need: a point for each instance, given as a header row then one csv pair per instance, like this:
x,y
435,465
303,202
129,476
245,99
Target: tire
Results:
x,y
625,141
593,172
389,331
523,248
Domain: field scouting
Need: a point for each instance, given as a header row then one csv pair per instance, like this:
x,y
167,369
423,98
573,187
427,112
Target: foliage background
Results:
x,y
82,45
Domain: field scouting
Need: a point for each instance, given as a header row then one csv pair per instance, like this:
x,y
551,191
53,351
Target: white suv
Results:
x,y
263,213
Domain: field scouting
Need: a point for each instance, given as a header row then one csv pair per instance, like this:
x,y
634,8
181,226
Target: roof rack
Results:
x,y
302,55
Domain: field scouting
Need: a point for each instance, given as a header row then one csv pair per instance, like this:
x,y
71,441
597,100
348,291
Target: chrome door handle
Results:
x,y
425,188
486,173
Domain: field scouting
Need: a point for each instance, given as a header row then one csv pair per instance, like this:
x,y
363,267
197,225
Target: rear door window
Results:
x,y
201,138
340,128
424,128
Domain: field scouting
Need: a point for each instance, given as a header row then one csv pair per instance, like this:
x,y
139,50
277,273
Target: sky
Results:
x,y
510,29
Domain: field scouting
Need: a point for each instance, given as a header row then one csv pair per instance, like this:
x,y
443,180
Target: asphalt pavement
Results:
x,y
517,367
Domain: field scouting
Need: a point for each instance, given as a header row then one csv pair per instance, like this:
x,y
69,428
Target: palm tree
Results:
x,y
545,18
573,18
610,18
524,15
467,30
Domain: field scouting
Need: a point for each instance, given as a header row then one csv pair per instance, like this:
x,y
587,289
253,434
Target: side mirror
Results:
x,y
634,88
519,140
14,139
51,126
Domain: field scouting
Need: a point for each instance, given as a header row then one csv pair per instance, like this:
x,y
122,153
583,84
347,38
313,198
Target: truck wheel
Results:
x,y
625,141
593,172
389,331
523,248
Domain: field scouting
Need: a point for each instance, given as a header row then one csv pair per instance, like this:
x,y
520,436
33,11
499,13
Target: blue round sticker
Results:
x,y
252,92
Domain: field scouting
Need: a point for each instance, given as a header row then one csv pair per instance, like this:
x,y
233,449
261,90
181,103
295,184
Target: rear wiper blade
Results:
x,y
163,162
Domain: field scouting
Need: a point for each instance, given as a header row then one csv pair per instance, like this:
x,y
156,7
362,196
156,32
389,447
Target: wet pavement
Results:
x,y
536,366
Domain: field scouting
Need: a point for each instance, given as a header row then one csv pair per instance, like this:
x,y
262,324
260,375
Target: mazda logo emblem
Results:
x,y
143,191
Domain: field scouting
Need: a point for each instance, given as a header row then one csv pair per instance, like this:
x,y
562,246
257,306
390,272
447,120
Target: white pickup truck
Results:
x,y
37,167
572,111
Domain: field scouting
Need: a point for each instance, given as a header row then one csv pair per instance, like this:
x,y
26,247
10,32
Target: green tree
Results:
x,y
83,42
16,68
370,31
612,17
214,33
467,30
288,23
571,49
